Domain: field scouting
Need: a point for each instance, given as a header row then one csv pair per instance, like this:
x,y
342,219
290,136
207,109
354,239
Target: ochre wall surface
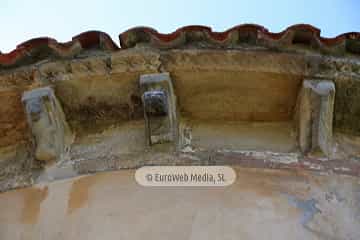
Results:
x,y
284,204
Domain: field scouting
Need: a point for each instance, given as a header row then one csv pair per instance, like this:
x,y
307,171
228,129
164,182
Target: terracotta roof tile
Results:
x,y
37,49
300,35
304,34
96,39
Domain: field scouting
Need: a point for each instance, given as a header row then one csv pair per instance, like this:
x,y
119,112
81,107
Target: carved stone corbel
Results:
x,y
315,115
159,103
48,125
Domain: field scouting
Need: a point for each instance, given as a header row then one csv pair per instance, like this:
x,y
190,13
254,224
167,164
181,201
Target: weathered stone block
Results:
x,y
159,104
46,119
316,116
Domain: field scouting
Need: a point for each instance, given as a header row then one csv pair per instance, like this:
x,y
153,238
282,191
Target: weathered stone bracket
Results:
x,y
159,103
48,125
315,114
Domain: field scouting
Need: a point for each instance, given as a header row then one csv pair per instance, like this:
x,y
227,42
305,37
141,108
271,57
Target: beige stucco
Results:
x,y
261,204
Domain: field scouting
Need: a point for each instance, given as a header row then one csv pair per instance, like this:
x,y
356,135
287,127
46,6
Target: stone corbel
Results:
x,y
48,125
159,104
315,114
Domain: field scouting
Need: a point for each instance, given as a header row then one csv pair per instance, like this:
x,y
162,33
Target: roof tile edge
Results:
x,y
308,35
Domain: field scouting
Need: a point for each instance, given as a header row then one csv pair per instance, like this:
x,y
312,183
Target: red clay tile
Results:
x,y
303,34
